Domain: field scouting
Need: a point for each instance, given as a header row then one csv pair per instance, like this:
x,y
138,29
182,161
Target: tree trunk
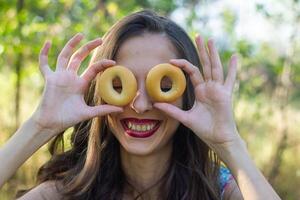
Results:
x,y
281,95
18,66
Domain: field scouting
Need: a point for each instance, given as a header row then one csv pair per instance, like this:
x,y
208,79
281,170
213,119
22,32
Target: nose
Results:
x,y
141,102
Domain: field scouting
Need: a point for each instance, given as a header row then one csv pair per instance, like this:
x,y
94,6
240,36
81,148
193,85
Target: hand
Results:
x,y
211,116
63,103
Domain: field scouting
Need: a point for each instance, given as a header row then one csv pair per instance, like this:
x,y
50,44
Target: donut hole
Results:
x,y
165,84
117,84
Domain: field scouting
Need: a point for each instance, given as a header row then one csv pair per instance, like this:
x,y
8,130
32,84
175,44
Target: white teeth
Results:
x,y
143,127
138,127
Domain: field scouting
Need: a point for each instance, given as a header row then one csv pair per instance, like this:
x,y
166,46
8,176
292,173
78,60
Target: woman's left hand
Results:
x,y
211,116
211,119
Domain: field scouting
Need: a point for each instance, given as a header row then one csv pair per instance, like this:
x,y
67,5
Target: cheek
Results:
x,y
173,127
170,131
174,123
112,123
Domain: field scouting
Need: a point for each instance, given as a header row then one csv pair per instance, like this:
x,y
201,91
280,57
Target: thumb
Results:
x,y
171,110
96,111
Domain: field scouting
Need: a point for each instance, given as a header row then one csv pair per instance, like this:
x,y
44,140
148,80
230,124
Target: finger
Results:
x,y
90,73
65,54
43,59
232,71
82,53
190,69
172,111
101,110
204,58
216,65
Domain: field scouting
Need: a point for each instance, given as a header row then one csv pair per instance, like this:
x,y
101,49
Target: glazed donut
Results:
x,y
153,82
107,91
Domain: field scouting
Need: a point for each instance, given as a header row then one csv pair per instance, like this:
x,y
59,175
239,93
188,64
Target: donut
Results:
x,y
154,78
128,82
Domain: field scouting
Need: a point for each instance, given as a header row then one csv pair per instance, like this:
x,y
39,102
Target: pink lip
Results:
x,y
137,134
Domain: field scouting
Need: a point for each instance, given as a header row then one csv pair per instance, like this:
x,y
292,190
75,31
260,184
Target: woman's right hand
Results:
x,y
63,104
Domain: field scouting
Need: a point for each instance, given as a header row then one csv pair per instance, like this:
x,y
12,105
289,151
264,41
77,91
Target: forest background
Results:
x,y
264,33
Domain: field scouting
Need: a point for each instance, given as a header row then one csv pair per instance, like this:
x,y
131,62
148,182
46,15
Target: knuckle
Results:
x,y
195,68
79,55
104,60
72,43
96,64
76,57
90,45
95,67
206,63
183,61
86,48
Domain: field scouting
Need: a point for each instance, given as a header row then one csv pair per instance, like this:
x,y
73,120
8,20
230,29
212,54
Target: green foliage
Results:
x,y
25,27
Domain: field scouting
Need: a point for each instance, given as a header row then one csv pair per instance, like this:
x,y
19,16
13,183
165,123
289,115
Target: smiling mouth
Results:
x,y
140,128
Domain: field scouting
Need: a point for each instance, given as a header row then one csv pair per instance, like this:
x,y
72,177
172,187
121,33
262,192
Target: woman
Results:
x,y
179,160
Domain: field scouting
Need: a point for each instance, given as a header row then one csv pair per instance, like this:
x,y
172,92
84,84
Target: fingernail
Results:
x,y
98,41
48,42
200,39
210,41
80,35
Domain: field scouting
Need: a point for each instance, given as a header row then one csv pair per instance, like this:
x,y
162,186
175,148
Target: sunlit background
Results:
x,y
264,33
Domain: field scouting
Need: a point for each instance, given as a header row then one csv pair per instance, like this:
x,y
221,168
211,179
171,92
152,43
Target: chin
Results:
x,y
137,150
142,149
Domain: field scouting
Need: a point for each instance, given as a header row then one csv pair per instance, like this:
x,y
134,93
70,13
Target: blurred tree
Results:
x,y
267,76
25,24
284,83
19,59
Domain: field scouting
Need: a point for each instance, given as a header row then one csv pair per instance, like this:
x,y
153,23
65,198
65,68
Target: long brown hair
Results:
x,y
91,169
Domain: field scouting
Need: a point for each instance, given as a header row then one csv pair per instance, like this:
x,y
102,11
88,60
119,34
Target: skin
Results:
x,y
64,90
145,159
211,117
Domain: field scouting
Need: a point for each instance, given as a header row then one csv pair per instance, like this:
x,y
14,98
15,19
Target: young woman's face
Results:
x,y
140,54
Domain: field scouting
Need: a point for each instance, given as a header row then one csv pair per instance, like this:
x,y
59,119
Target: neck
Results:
x,y
145,171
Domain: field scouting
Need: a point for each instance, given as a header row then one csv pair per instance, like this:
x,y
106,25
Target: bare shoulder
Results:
x,y
46,191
